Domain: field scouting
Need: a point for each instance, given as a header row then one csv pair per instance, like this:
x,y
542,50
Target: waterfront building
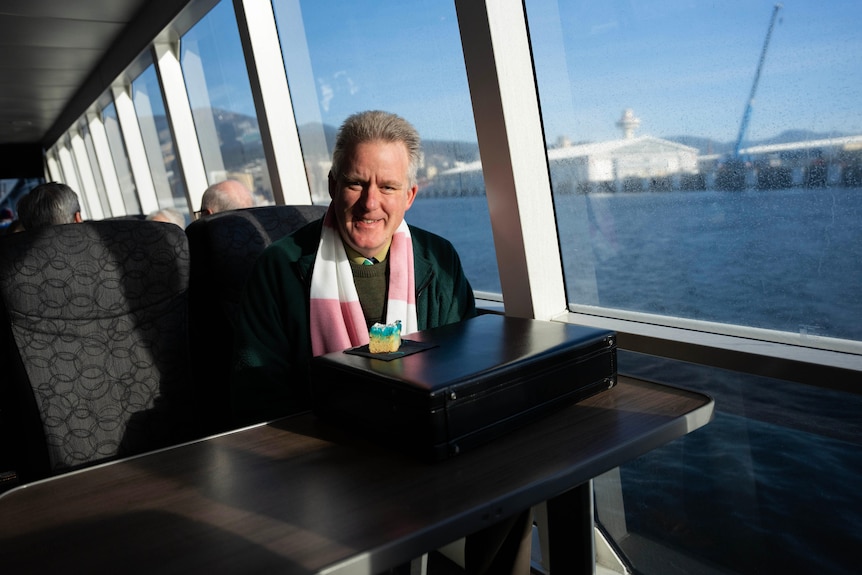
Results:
x,y
628,164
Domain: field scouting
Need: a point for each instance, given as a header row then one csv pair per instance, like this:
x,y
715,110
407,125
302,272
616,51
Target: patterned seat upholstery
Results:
x,y
224,248
94,343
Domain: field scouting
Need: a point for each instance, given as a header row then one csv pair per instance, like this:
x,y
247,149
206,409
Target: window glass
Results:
x,y
71,177
55,169
221,100
94,168
768,486
402,57
679,194
121,159
158,141
12,190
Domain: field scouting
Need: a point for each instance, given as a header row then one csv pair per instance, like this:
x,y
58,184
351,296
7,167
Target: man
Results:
x,y
320,289
292,309
226,195
48,205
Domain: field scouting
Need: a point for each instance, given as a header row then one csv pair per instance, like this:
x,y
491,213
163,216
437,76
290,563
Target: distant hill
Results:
x,y
455,150
703,145
444,154
310,134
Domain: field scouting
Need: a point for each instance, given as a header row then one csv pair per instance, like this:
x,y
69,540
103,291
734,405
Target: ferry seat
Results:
x,y
224,247
93,344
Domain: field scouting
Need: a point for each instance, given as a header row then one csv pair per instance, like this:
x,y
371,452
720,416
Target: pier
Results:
x,y
647,164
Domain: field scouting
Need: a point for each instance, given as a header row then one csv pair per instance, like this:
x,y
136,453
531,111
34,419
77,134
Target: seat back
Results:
x,y
224,248
93,343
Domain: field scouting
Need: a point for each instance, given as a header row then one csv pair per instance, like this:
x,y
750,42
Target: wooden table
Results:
x,y
298,496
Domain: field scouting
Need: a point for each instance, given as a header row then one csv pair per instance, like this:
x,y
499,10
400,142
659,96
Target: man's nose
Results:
x,y
371,196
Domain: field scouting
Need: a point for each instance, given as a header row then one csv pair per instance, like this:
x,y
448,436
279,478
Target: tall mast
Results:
x,y
747,114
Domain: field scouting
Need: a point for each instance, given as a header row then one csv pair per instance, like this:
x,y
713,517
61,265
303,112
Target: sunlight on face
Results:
x,y
371,194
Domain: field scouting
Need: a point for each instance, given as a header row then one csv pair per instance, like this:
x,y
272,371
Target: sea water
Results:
x,y
788,260
771,484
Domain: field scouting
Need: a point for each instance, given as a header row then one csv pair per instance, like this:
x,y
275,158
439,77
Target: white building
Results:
x,y
642,162
616,164
628,164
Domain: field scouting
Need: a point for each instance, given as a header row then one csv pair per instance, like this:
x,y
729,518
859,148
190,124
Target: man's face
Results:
x,y
371,194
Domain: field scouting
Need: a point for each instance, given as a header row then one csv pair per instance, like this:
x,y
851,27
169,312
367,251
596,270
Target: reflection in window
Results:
x,y
750,491
222,105
415,68
158,141
643,110
121,159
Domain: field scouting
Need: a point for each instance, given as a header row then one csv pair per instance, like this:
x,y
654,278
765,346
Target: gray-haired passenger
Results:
x,y
168,215
47,205
226,195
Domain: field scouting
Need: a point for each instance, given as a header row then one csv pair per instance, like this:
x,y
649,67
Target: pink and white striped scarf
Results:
x,y
337,321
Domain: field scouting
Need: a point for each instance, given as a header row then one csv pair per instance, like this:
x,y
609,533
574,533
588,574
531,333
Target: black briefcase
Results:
x,y
452,388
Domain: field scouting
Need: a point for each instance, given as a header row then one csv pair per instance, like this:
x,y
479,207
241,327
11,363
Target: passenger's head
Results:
x,y
169,215
226,195
48,205
375,125
372,182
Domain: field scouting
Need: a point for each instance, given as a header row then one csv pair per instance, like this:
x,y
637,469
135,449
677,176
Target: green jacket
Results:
x,y
272,345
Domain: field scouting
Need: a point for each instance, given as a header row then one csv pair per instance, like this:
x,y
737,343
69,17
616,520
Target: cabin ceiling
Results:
x,y
48,50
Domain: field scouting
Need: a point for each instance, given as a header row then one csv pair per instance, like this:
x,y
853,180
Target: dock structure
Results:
x,y
645,163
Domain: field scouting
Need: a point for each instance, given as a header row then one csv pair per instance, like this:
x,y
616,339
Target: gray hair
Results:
x,y
169,215
375,125
226,195
47,205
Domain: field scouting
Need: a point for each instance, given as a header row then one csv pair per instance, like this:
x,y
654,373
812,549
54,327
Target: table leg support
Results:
x,y
571,543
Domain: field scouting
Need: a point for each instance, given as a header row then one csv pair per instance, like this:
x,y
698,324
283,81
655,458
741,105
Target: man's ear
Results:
x,y
411,195
78,218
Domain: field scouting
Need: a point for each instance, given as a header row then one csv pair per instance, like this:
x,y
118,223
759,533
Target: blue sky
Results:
x,y
687,66
684,66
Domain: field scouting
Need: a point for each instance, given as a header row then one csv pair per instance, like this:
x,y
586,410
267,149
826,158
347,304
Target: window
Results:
x,y
678,204
220,96
403,58
642,110
90,157
768,486
12,190
120,159
158,141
